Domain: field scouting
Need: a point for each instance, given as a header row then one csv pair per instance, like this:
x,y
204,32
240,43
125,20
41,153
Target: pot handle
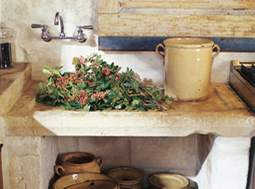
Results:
x,y
100,161
57,167
218,50
157,50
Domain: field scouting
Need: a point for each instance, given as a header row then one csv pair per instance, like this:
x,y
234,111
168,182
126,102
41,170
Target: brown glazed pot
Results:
x,y
79,162
86,181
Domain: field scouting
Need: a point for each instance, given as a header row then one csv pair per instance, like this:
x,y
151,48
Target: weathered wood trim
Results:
x,y
121,43
145,23
176,25
183,11
193,4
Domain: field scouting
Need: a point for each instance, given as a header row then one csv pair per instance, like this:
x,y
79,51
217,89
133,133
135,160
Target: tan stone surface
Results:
x,y
31,161
222,114
12,83
24,162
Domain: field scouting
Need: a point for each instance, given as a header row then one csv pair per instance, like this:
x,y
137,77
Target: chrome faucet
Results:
x,y
58,17
46,36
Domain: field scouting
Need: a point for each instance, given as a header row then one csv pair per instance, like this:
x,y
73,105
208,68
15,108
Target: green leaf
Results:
x,y
46,72
75,61
107,84
42,96
100,61
98,58
59,93
41,85
168,100
135,102
142,109
70,83
37,90
92,100
45,85
47,68
82,85
49,102
58,67
53,96
87,107
118,106
127,85
56,72
84,69
99,75
118,69
152,106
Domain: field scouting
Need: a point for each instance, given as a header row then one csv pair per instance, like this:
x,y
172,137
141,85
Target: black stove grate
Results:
x,y
248,72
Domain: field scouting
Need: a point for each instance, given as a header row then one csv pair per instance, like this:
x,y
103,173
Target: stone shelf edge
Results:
x,y
223,114
12,83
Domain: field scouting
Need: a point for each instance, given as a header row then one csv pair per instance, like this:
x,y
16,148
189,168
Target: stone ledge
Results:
x,y
13,82
223,114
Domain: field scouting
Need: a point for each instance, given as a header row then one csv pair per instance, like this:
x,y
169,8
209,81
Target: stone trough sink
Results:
x,y
223,116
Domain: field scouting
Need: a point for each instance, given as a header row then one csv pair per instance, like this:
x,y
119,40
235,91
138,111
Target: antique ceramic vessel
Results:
x,y
128,177
168,181
187,64
79,162
86,181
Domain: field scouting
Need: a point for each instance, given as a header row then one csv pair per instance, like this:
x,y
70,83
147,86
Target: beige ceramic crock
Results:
x,y
187,64
79,162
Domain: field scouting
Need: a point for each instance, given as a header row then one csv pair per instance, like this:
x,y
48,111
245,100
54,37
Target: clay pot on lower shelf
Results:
x,y
86,181
128,177
79,162
168,181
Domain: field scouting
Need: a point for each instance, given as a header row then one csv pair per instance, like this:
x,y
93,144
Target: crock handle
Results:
x,y
218,50
100,161
157,50
57,167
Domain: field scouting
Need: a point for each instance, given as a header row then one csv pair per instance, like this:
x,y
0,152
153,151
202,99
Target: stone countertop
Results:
x,y
222,114
12,83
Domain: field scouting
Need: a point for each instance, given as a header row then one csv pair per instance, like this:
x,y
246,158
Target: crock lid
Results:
x,y
188,42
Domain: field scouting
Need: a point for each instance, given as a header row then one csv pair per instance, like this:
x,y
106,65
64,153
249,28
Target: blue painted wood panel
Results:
x,y
149,43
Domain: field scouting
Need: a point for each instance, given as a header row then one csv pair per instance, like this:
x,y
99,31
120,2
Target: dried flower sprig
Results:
x,y
97,85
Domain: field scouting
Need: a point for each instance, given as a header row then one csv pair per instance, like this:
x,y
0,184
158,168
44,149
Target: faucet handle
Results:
x,y
38,26
85,27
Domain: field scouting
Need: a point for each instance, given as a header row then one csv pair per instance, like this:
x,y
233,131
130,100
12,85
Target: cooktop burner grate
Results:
x,y
248,72
242,81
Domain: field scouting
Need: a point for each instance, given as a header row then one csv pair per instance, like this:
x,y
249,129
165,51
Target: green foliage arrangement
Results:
x,y
97,85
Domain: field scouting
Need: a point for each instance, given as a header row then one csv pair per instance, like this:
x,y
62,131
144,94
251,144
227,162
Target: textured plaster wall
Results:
x,y
20,14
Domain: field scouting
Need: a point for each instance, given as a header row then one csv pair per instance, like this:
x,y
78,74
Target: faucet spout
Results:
x,y
56,22
46,36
